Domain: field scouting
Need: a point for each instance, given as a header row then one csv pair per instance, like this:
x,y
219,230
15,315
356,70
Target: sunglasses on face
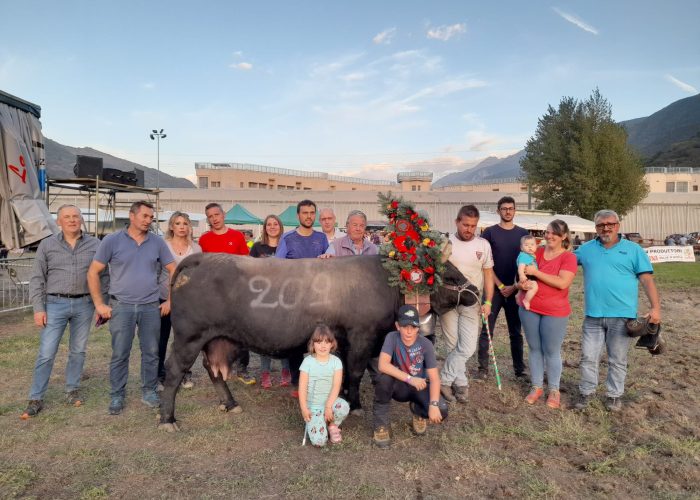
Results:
x,y
606,225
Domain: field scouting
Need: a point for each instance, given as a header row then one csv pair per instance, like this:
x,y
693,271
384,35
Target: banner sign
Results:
x,y
670,254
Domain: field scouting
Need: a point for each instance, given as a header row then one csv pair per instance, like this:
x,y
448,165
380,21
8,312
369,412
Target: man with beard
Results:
x,y
505,246
612,268
302,243
471,254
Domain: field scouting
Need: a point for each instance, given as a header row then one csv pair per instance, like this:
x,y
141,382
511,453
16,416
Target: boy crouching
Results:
x,y
407,372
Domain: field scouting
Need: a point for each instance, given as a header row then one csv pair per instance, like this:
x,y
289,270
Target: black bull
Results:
x,y
271,306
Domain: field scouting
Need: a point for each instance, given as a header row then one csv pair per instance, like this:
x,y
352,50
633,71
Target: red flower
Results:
x,y
394,204
405,275
430,280
412,259
431,244
412,250
400,243
420,222
430,270
414,216
413,235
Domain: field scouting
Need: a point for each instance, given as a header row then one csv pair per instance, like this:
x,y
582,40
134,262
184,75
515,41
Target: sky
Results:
x,y
360,88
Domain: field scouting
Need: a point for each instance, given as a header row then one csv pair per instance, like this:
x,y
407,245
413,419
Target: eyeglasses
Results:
x,y
606,225
507,209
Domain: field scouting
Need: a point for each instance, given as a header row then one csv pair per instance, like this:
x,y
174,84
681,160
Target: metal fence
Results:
x,y
14,283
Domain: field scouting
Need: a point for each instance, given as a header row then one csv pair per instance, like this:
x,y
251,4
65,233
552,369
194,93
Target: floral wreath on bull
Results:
x,y
412,251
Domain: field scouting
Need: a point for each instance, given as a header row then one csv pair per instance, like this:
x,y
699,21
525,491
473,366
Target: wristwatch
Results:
x,y
435,403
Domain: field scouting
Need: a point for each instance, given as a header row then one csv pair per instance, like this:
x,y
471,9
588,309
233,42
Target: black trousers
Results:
x,y
514,332
165,326
387,388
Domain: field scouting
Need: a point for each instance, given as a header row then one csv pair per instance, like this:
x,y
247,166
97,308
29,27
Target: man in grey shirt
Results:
x,y
59,293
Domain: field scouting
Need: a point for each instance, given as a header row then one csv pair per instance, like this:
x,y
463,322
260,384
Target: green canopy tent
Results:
x,y
239,215
290,220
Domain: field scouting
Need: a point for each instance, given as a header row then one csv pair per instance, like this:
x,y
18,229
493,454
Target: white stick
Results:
x,y
303,441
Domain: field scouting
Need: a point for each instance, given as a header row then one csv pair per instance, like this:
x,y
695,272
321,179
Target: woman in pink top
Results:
x,y
545,322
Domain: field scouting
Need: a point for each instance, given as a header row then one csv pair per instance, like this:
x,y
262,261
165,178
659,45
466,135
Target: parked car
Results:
x,y
634,237
694,238
675,237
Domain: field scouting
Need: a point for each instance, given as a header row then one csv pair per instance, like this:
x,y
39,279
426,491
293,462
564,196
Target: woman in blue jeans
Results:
x,y
545,322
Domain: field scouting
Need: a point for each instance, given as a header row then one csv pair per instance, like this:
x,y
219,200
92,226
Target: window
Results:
x,y
413,188
262,185
203,182
418,188
695,188
307,189
682,187
252,185
216,184
242,185
670,187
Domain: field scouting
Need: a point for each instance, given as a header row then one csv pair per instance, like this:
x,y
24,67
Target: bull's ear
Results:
x,y
445,250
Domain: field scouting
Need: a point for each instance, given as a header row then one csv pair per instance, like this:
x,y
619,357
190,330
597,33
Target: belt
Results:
x,y
69,295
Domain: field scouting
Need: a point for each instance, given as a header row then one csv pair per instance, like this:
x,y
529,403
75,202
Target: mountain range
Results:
x,y
60,161
668,138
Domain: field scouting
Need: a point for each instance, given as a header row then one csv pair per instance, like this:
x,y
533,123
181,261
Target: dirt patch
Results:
x,y
495,446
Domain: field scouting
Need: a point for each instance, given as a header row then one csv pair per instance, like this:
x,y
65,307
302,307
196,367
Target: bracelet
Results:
x,y
487,303
435,403
408,379
501,286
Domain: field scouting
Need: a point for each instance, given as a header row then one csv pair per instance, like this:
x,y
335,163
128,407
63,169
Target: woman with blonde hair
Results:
x,y
178,237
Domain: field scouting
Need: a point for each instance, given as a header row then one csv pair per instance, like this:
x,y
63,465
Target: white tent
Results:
x,y
539,222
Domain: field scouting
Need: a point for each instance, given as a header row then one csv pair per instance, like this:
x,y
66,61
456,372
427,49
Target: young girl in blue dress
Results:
x,y
320,378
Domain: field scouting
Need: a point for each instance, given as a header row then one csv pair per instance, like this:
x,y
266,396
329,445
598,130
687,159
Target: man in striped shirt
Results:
x,y
59,293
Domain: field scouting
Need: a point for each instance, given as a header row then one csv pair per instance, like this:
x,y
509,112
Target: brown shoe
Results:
x,y
74,398
446,391
553,399
420,425
535,394
33,409
382,439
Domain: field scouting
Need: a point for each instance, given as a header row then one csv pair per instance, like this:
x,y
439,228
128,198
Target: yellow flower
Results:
x,y
426,241
392,253
424,227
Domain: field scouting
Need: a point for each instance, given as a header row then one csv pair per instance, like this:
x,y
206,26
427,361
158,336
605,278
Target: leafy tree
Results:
x,y
579,162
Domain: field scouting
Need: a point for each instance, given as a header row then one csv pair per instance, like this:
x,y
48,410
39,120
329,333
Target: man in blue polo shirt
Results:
x,y
135,257
612,269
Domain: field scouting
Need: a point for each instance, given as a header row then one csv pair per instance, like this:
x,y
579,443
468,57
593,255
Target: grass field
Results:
x,y
495,446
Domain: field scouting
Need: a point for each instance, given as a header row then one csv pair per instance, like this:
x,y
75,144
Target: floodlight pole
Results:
x,y
157,136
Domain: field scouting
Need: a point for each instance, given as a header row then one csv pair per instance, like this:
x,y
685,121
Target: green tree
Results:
x,y
579,162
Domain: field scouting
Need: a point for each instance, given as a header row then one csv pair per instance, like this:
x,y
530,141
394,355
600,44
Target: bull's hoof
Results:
x,y
233,409
358,412
173,427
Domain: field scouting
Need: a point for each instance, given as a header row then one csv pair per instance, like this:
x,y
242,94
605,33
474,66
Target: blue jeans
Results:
x,y
545,335
613,333
122,326
60,312
266,363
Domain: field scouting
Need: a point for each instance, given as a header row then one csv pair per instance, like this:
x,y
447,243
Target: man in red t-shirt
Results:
x,y
222,239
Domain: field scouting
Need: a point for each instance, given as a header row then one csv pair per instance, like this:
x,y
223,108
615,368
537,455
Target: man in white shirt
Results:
x,y
326,217
471,254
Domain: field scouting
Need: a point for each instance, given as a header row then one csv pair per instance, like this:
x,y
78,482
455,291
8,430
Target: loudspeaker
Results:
x,y
139,177
115,175
88,166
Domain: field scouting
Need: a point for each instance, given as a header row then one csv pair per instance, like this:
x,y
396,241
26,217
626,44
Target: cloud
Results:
x,y
243,66
148,86
238,53
685,87
445,88
333,67
444,33
439,166
576,21
385,37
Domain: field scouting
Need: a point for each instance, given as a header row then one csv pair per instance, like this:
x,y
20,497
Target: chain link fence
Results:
x,y
14,283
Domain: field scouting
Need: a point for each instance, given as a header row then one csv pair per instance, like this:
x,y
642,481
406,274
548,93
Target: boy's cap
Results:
x,y
408,315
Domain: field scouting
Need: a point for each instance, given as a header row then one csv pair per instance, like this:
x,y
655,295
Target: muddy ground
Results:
x,y
495,446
